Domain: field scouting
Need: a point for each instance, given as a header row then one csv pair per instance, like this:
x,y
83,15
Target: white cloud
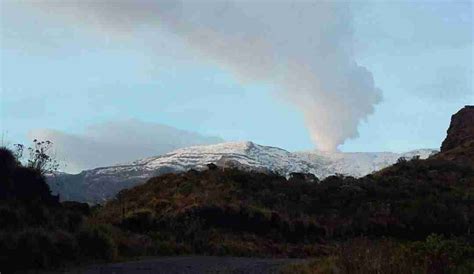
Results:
x,y
304,48
117,142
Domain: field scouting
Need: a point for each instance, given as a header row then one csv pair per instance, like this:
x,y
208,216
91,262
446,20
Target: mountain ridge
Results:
x,y
99,184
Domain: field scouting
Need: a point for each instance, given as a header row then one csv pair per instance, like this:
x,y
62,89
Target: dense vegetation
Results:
x,y
361,255
231,212
36,231
414,216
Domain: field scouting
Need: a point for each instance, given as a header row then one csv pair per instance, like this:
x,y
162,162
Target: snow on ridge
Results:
x,y
102,183
246,153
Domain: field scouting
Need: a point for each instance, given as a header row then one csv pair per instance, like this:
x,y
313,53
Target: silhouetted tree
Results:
x,y
39,156
27,182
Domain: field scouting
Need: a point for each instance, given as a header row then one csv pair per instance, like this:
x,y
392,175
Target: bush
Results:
x,y
326,265
440,255
164,248
66,245
96,242
35,249
10,218
131,245
186,188
30,184
140,221
361,255
162,244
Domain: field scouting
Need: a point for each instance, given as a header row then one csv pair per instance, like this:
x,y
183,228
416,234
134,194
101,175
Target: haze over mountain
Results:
x,y
109,143
97,185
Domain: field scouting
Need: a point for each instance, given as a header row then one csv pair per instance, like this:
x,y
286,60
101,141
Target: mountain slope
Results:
x,y
359,164
99,184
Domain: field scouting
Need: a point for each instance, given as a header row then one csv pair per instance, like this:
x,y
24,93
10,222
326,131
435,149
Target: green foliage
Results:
x,y
438,254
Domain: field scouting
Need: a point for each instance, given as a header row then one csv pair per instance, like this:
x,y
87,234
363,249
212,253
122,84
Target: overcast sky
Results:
x,y
300,75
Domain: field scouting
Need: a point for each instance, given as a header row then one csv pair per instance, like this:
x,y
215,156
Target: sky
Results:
x,y
113,81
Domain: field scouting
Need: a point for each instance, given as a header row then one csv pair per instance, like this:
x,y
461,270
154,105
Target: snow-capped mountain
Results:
x,y
359,164
99,184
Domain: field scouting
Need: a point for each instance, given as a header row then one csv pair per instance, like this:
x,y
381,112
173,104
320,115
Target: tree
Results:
x,y
39,157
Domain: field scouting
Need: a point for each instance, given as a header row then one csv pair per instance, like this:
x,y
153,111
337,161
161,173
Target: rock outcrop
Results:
x,y
459,143
461,129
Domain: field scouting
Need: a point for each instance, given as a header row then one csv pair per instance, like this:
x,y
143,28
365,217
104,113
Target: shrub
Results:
x,y
35,249
78,207
96,242
73,220
361,255
10,218
164,248
29,184
139,221
439,255
186,188
326,265
66,246
134,245
7,248
162,244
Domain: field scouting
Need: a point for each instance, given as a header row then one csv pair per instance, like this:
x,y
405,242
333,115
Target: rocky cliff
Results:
x,y
459,143
461,129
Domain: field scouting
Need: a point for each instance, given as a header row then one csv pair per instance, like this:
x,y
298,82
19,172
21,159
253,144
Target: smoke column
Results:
x,y
303,48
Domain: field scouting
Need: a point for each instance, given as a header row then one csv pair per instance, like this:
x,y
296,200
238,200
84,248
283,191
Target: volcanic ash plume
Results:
x,y
303,48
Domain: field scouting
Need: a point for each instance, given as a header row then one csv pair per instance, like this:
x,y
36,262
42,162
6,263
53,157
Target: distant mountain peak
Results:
x,y
97,185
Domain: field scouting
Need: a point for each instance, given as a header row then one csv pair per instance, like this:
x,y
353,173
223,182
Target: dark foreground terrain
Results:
x,y
191,265
416,216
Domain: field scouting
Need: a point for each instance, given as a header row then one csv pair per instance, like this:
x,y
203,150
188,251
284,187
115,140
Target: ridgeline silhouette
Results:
x,y
415,216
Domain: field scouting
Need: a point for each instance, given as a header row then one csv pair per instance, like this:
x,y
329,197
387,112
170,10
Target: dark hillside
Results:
x,y
416,216
411,200
36,231
246,213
